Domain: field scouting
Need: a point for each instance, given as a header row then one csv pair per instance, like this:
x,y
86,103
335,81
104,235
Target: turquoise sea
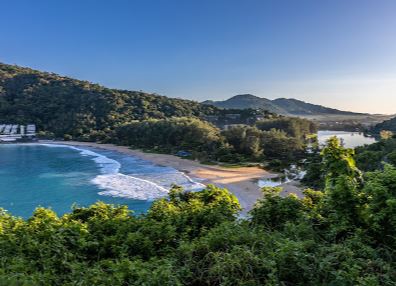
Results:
x,y
58,176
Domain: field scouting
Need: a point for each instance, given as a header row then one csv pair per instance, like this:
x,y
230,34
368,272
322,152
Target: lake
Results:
x,y
350,139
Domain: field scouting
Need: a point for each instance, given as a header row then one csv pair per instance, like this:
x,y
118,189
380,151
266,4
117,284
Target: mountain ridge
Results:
x,y
283,106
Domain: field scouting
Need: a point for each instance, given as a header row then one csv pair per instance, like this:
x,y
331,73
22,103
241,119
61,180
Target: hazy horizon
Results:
x,y
339,54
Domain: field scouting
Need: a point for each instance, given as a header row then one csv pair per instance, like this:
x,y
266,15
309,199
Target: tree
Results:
x,y
338,161
194,212
294,127
342,204
245,140
380,210
273,211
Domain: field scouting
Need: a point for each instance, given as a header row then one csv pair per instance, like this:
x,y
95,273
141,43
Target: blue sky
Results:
x,y
339,53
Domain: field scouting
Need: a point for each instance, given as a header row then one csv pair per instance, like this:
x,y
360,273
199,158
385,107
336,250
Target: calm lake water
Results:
x,y
58,176
350,139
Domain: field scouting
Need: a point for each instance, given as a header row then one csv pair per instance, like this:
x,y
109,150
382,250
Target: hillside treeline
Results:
x,y
344,234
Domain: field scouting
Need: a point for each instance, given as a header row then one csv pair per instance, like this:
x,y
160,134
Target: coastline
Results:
x,y
242,181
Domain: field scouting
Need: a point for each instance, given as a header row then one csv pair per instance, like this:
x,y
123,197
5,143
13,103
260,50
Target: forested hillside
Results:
x,y
64,105
388,125
344,234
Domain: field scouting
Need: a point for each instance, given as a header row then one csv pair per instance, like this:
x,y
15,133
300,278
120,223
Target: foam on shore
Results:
x,y
150,185
120,185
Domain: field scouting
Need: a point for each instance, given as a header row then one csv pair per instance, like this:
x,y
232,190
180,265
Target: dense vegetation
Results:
x,y
170,135
281,140
374,156
274,145
293,126
342,235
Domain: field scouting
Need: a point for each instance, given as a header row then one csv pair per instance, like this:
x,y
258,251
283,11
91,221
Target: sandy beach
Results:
x,y
242,182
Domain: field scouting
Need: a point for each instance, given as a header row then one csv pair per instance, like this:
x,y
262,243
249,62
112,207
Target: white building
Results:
x,y
15,132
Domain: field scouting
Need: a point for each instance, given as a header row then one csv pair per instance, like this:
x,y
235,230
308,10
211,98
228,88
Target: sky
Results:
x,y
338,53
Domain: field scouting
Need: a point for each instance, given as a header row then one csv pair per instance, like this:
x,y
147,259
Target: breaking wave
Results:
x,y
125,186
107,165
154,183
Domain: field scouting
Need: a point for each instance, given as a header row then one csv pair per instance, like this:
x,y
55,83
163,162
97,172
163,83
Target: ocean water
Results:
x,y
59,176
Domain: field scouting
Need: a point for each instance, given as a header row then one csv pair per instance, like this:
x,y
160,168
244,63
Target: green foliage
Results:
x,y
245,140
269,145
330,164
273,211
194,212
338,161
372,157
285,138
204,141
380,209
277,145
105,244
343,236
369,160
169,135
293,126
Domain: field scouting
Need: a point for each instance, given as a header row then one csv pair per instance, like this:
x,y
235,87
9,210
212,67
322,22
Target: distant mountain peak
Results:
x,y
245,96
244,101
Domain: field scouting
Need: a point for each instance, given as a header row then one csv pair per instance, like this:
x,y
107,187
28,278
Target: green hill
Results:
x,y
64,105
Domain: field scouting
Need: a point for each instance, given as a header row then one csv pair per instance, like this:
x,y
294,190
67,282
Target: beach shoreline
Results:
x,y
241,181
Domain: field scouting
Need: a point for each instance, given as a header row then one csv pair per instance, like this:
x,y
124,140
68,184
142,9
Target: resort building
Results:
x,y
16,132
